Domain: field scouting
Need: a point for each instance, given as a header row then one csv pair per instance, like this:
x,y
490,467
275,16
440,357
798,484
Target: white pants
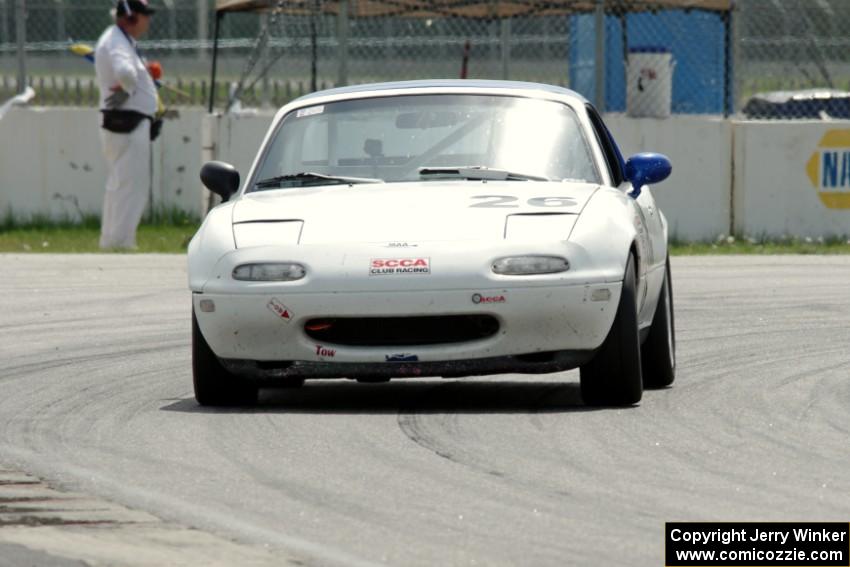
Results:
x,y
128,167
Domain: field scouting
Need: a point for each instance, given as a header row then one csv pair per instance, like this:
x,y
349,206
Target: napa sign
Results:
x,y
829,169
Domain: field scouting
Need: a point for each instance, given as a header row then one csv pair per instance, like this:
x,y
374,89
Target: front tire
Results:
x,y
613,377
658,353
214,385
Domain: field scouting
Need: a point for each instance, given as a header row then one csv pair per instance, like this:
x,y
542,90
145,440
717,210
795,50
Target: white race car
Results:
x,y
433,228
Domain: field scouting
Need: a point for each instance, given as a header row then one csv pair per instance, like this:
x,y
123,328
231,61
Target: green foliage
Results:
x,y
166,230
170,216
150,239
762,244
11,221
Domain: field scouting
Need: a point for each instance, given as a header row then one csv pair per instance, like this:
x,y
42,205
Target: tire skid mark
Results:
x,y
760,392
227,441
785,452
432,430
51,319
413,424
25,369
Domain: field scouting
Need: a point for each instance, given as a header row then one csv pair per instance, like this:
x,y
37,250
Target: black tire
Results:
x,y
613,376
658,353
215,386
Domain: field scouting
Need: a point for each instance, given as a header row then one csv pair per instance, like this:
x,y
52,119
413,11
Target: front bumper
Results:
x,y
269,326
537,363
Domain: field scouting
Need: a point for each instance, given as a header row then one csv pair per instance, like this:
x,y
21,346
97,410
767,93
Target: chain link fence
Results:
x,y
794,58
770,59
307,49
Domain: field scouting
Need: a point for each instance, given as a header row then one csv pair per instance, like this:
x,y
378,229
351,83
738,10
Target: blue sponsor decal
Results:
x,y
404,357
836,170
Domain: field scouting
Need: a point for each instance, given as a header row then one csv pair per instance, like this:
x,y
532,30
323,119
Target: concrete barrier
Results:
x,y
51,163
239,139
758,178
696,199
792,179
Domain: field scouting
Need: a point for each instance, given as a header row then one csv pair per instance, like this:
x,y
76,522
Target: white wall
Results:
x,y
239,139
51,162
696,199
779,179
177,161
50,158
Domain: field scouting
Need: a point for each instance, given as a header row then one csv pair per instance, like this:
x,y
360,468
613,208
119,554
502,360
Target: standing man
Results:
x,y
128,102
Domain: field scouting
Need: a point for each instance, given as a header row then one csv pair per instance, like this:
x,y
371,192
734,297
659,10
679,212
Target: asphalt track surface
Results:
x,y
95,395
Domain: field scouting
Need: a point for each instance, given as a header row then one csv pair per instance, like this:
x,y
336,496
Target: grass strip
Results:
x,y
84,239
788,245
171,236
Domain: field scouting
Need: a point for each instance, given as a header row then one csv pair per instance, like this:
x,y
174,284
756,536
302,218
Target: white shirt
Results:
x,y
116,61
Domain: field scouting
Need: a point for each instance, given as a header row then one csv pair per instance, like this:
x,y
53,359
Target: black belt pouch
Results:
x,y
122,121
156,128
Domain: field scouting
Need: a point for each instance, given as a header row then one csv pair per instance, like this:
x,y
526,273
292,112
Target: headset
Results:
x,y
131,17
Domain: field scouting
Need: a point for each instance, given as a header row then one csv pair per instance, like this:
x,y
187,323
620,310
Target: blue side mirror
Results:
x,y
646,169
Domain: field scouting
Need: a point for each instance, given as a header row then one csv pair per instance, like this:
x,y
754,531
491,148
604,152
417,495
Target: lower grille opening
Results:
x,y
401,331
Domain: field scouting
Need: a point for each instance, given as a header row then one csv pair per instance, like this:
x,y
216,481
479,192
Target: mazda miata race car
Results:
x,y
433,228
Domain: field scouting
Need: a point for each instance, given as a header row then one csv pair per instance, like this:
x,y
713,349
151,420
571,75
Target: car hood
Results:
x,y
411,212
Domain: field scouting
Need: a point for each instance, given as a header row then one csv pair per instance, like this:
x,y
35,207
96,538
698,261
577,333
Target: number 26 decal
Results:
x,y
504,202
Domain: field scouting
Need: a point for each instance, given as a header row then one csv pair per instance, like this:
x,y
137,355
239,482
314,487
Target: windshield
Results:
x,y
393,138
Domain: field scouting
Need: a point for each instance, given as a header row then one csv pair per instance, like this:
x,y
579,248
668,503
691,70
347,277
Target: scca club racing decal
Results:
x,y
399,266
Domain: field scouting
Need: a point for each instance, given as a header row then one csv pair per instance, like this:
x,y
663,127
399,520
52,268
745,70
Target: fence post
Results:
x,y
203,27
21,30
218,17
314,45
506,48
4,22
388,38
172,25
342,43
600,56
493,39
61,33
734,53
265,57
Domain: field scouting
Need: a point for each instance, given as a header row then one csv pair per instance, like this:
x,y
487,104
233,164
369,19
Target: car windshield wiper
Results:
x,y
479,172
307,178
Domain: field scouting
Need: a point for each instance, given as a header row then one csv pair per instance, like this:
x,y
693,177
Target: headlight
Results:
x,y
530,265
271,272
